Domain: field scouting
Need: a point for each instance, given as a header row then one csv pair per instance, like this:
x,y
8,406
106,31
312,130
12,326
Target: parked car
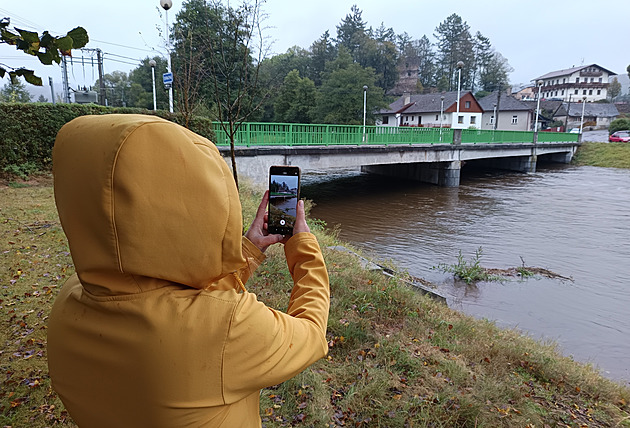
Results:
x,y
619,137
574,131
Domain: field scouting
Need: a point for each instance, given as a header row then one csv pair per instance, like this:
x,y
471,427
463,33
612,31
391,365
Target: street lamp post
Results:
x,y
539,83
166,5
460,64
364,108
494,117
152,63
582,120
441,115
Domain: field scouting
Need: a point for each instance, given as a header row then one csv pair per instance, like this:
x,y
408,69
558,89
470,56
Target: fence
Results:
x,y
297,134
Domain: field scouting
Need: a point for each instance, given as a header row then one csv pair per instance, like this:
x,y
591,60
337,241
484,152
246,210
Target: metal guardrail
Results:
x,y
296,134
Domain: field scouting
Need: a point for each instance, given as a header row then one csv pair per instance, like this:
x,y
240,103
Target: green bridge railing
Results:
x,y
297,134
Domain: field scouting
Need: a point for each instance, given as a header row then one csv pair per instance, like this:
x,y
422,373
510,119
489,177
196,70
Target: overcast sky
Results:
x,y
535,36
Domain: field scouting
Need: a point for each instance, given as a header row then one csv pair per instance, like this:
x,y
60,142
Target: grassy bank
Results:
x,y
612,155
396,358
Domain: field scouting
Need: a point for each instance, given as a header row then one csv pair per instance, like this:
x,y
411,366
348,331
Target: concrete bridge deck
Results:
x,y
439,164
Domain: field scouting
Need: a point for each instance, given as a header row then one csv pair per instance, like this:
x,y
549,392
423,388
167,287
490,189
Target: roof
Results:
x,y
423,103
569,71
507,103
592,109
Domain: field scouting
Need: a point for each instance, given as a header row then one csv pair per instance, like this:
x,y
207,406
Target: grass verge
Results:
x,y
396,358
611,155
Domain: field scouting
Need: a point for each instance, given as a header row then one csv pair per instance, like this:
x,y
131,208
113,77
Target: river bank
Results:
x,y
607,155
396,358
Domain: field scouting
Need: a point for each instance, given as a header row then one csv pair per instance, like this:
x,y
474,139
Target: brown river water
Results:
x,y
574,221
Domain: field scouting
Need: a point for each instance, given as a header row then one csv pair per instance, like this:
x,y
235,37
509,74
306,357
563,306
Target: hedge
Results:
x,y
28,130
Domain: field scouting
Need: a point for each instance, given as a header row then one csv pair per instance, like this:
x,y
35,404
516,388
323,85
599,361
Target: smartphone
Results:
x,y
284,193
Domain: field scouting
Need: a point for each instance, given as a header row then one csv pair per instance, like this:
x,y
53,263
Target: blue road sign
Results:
x,y
167,78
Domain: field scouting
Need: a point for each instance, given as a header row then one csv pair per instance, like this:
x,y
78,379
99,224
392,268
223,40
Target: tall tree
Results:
x,y
47,48
381,54
225,49
454,44
322,51
495,75
423,49
340,98
296,101
483,56
351,33
614,89
14,92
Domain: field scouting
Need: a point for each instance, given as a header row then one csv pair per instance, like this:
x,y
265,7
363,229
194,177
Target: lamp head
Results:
x,y
460,64
166,4
540,83
152,63
365,87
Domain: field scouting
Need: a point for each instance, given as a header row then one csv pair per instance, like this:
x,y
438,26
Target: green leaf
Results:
x,y
32,79
64,44
47,40
28,36
45,57
79,37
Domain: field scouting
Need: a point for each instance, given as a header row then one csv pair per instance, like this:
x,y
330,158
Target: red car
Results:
x,y
619,137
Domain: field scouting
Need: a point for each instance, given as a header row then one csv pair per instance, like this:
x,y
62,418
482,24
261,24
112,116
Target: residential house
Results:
x,y
511,114
596,115
573,84
524,93
424,110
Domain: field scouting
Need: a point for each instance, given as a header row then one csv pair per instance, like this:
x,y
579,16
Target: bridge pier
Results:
x,y
516,163
445,174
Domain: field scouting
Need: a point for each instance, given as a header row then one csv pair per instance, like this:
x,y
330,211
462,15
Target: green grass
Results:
x,y
396,358
611,155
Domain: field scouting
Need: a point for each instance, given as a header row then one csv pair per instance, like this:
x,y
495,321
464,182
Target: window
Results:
x,y
514,120
437,117
406,118
600,80
491,120
556,93
385,120
460,119
562,92
584,92
577,80
473,120
467,104
576,92
599,92
592,79
590,92
413,118
564,79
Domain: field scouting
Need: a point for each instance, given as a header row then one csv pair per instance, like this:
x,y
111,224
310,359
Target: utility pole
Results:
x,y
52,90
101,82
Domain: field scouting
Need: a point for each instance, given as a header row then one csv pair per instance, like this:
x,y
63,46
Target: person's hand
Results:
x,y
300,222
257,232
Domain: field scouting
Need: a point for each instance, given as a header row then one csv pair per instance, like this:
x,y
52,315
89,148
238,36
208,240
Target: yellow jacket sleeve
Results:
x,y
264,346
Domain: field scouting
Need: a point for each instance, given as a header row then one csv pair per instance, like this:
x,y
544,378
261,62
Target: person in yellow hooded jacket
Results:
x,y
156,329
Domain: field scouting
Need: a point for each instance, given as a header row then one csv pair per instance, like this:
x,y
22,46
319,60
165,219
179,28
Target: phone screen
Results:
x,y
284,192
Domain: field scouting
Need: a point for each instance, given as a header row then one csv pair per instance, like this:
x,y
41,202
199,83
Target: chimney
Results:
x,y
406,98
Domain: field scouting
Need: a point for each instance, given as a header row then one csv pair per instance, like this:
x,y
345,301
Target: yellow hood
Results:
x,y
139,196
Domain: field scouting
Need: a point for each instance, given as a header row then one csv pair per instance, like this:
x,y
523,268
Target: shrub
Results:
x,y
619,125
29,130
